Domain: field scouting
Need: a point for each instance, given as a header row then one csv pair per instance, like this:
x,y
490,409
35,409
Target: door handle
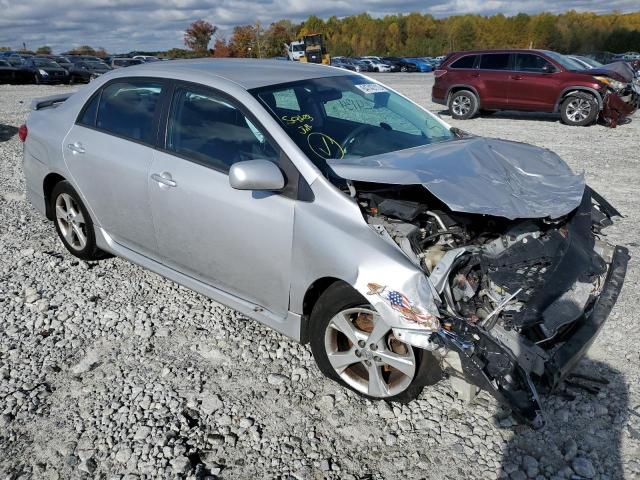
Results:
x,y
474,75
517,77
164,178
76,147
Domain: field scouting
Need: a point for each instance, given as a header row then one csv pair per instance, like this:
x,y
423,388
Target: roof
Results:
x,y
249,73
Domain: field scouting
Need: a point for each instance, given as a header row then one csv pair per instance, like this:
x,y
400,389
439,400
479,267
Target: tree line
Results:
x,y
422,34
417,34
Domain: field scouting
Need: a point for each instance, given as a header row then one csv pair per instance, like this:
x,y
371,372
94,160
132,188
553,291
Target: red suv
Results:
x,y
531,80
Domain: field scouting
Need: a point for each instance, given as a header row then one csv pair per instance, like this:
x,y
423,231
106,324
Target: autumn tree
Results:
x,y
198,36
44,50
220,48
274,38
242,43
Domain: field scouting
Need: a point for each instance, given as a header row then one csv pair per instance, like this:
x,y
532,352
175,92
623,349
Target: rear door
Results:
x,y
535,83
109,151
494,80
235,240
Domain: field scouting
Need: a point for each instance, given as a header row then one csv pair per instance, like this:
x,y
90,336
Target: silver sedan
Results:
x,y
333,209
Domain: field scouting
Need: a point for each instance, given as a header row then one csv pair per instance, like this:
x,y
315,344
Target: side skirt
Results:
x,y
289,326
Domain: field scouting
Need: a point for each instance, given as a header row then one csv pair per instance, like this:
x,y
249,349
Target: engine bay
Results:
x,y
511,293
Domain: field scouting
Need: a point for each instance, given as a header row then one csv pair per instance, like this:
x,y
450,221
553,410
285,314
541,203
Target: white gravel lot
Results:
x,y
109,371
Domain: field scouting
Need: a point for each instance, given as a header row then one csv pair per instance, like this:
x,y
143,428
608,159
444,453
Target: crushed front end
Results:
x,y
520,300
619,100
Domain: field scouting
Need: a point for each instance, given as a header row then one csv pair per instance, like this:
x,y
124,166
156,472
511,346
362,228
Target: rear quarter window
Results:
x,y
127,109
468,61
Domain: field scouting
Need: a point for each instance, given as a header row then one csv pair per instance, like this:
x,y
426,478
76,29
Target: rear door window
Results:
x,y
468,61
209,130
528,62
494,61
128,109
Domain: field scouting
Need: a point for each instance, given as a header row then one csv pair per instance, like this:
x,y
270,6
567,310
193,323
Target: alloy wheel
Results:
x,y
461,105
366,355
578,110
71,221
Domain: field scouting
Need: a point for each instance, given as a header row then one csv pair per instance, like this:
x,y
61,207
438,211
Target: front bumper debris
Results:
x,y
569,354
617,108
514,376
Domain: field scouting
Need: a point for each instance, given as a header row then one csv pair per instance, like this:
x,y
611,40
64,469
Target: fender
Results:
x,y
576,89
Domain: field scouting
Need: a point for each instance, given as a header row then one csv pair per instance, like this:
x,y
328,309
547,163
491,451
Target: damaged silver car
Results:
x,y
333,209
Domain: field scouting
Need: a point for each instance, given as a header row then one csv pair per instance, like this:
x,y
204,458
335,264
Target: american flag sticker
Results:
x,y
399,302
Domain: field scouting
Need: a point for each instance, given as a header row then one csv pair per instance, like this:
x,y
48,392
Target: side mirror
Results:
x,y
548,68
256,175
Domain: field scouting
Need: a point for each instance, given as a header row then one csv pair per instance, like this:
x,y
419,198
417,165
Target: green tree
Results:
x,y
44,50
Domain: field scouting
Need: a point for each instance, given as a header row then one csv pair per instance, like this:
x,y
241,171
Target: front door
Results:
x,y
535,83
494,80
237,241
109,150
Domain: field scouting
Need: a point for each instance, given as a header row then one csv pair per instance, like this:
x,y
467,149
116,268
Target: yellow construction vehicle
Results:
x,y
314,50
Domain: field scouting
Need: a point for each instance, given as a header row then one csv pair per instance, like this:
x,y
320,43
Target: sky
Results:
x,y
124,25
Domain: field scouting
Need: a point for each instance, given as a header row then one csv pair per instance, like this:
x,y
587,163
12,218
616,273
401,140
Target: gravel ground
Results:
x,y
109,371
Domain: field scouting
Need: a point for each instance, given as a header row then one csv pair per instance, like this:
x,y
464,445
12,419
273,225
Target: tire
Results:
x,y
463,104
579,109
72,222
341,305
36,79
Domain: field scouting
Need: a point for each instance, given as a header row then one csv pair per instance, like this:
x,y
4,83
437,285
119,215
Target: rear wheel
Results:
x,y
463,104
579,109
355,347
73,223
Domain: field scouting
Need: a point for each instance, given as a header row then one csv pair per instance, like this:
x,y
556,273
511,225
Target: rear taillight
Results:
x,y
22,132
439,73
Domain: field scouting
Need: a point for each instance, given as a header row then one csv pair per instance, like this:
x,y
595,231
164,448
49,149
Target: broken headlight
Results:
x,y
611,83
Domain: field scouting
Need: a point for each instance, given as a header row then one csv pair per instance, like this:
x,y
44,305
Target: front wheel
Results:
x,y
355,347
579,110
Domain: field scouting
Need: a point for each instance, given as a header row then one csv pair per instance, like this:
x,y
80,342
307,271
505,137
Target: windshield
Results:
x,y
44,62
590,61
346,117
566,62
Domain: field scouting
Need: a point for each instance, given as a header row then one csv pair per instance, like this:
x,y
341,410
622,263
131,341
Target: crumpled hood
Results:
x,y
478,175
620,71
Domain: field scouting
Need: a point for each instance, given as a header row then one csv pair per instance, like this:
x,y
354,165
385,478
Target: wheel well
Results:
x,y
50,181
570,91
311,296
457,88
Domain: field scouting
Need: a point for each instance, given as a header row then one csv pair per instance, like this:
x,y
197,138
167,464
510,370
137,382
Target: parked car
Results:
x,y
402,65
586,62
325,205
44,70
15,60
340,63
146,58
119,62
534,80
85,72
11,74
376,65
392,66
61,60
83,58
358,65
421,65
